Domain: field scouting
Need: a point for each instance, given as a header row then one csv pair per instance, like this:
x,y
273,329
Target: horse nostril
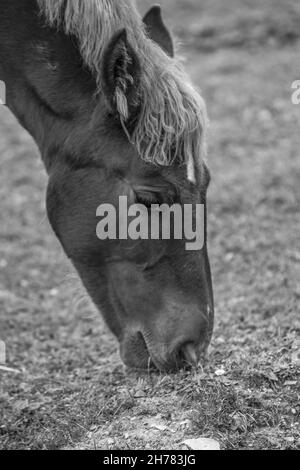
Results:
x,y
190,354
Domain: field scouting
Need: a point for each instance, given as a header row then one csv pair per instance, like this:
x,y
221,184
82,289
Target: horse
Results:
x,y
105,96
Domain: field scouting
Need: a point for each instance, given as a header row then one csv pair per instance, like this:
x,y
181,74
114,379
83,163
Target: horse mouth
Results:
x,y
137,353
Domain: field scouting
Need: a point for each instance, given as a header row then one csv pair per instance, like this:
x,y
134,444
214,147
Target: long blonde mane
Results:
x,y
172,121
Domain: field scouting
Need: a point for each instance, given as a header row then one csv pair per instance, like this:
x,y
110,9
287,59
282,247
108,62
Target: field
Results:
x,y
67,388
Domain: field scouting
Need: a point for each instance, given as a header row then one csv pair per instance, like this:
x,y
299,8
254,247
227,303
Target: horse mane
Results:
x,y
172,120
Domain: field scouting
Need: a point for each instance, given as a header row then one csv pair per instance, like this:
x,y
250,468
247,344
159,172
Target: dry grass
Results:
x,y
72,391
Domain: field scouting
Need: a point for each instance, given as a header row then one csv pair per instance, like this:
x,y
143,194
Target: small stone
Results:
x,y
202,444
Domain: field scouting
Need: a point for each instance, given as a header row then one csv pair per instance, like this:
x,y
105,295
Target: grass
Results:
x,y
70,389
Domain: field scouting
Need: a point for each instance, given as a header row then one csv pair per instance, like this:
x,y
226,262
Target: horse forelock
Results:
x,y
172,121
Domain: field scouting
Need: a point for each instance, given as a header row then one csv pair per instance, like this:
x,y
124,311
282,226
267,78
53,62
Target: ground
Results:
x,y
68,388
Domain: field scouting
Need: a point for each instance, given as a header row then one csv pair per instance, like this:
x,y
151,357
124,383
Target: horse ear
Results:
x,y
121,72
158,31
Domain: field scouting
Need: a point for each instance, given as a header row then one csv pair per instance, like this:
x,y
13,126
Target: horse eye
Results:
x,y
148,198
